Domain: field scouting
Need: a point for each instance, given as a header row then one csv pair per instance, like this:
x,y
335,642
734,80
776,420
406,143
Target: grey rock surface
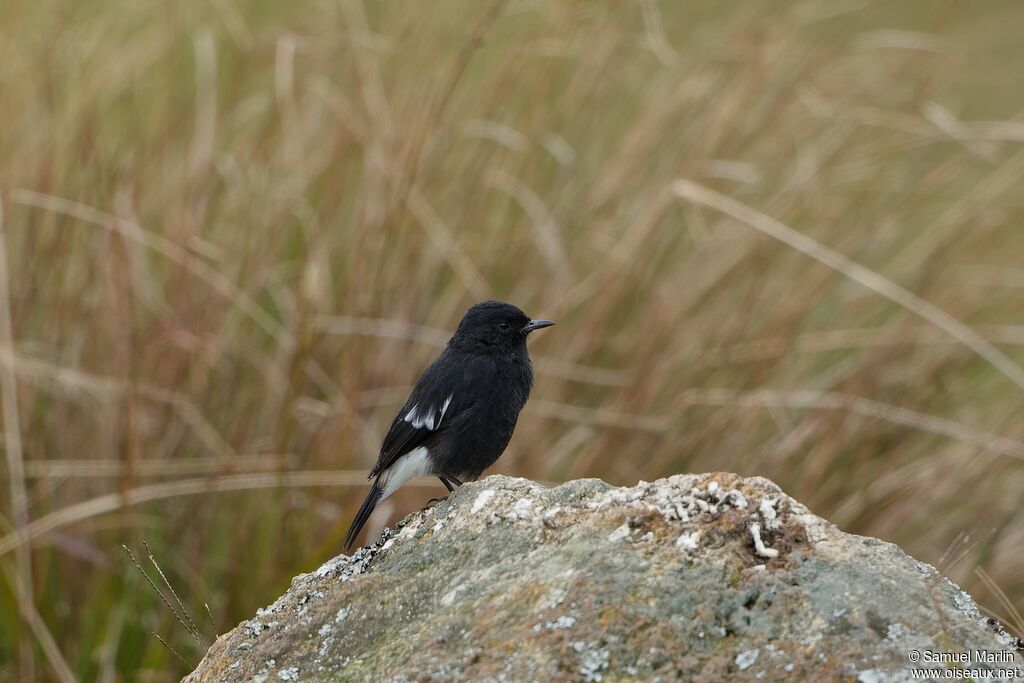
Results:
x,y
695,577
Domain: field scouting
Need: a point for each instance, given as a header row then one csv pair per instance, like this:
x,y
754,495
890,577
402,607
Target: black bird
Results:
x,y
461,413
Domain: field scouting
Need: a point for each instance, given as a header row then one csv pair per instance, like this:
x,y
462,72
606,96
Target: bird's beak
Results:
x,y
536,325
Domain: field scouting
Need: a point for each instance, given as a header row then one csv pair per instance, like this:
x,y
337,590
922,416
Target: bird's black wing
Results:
x,y
448,389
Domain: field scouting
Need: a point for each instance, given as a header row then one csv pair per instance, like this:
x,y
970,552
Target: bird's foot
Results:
x,y
433,502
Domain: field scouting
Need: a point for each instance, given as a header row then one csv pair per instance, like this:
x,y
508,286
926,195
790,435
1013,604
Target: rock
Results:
x,y
703,577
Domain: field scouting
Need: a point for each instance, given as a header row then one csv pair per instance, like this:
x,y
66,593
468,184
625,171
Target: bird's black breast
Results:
x,y
499,387
463,410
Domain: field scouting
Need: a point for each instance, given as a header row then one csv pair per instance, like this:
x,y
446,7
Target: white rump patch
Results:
x,y
415,463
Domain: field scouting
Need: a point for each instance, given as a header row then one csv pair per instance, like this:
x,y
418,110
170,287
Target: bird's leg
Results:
x,y
450,483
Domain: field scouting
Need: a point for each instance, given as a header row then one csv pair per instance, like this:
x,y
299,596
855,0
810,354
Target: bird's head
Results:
x,y
495,326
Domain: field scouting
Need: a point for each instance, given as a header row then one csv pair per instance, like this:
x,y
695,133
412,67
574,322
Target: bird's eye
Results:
x,y
503,326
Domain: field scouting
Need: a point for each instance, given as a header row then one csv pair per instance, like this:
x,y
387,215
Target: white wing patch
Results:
x,y
415,463
425,418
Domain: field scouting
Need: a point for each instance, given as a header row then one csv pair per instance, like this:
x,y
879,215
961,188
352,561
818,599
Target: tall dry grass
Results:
x,y
779,240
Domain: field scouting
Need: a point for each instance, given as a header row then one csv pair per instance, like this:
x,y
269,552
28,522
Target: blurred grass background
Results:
x,y
236,231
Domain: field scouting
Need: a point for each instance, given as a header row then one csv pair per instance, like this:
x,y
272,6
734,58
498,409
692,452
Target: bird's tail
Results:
x,y
365,510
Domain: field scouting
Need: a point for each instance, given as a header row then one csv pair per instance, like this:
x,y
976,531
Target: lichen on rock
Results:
x,y
704,577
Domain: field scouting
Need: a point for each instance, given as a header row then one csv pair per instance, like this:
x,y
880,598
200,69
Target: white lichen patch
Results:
x,y
675,500
746,659
593,660
331,566
408,531
254,627
482,500
522,508
735,499
769,514
689,542
345,567
564,622
964,602
692,500
448,599
619,534
277,607
555,598
551,513
759,547
363,558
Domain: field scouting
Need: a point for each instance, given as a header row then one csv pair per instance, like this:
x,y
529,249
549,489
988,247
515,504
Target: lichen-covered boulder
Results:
x,y
696,577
